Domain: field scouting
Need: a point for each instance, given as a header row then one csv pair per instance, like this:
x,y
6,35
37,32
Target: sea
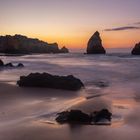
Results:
x,y
111,81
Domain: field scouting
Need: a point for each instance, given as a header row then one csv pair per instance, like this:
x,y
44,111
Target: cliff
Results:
x,y
19,44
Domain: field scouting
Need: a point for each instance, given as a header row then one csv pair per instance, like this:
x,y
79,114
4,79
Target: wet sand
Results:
x,y
28,114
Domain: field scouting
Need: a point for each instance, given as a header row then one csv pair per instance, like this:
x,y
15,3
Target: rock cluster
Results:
x,y
79,117
10,65
95,44
50,81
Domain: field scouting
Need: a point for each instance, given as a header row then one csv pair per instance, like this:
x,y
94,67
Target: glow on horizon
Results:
x,y
71,23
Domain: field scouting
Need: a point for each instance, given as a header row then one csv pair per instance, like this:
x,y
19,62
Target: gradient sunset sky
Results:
x,y
72,22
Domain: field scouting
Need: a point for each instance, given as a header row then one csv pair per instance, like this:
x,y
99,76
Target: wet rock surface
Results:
x,y
50,81
102,117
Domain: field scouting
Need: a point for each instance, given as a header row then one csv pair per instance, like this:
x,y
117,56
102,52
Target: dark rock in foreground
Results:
x,y
19,44
101,84
95,45
50,81
136,49
99,116
78,117
72,116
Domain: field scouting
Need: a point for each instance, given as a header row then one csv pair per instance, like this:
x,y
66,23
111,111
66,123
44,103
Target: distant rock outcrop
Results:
x,y
19,44
50,81
64,50
95,44
136,49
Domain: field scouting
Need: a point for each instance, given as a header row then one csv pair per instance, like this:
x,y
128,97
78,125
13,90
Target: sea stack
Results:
x,y
136,49
95,44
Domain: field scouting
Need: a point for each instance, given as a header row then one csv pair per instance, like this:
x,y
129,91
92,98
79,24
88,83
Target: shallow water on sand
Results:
x,y
30,113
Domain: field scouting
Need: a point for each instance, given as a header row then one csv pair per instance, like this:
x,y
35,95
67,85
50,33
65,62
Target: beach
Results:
x,y
29,113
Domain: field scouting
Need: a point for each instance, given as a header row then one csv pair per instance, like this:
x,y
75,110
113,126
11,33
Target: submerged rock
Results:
x,y
95,44
9,65
50,81
20,65
78,117
136,49
72,116
103,115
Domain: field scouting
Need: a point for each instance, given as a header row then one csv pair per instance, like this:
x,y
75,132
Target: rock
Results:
x,y
78,117
99,116
20,65
136,49
64,50
50,81
9,65
73,116
1,63
95,44
19,44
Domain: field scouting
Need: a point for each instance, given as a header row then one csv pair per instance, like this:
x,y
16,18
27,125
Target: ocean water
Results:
x,y
119,72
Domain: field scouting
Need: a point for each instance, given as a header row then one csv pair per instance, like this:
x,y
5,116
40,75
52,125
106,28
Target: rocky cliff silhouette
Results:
x,y
19,44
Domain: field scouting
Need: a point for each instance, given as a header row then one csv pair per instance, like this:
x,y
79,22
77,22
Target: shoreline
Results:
x,y
25,103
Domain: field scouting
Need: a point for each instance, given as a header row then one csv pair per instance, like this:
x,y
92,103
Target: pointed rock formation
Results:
x,y
95,44
136,49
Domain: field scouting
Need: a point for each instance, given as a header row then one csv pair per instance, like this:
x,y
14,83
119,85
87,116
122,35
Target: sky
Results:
x,y
71,23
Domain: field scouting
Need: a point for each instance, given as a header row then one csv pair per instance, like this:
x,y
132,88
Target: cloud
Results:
x,y
123,28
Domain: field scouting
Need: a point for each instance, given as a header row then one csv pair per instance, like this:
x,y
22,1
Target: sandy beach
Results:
x,y
22,115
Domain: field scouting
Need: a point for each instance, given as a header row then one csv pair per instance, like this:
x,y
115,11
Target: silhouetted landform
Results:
x,y
95,44
136,49
50,81
64,50
19,44
102,117
10,65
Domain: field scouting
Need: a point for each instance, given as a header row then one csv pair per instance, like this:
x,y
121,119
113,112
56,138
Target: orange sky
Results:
x,y
72,23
